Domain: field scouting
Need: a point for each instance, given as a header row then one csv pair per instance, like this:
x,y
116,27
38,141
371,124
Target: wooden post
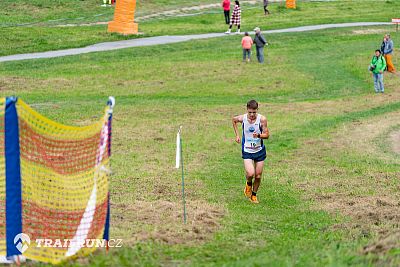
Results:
x,y
124,15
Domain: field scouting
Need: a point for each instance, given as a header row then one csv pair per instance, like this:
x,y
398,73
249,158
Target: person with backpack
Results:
x,y
377,67
260,42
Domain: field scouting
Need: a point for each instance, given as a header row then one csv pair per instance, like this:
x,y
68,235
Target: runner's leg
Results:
x,y
250,170
258,174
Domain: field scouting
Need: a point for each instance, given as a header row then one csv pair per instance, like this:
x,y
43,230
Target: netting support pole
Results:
x,y
13,201
106,235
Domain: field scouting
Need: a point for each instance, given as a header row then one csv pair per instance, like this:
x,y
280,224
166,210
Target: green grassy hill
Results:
x,y
330,191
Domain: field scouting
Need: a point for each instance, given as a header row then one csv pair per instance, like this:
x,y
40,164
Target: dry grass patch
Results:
x,y
360,136
371,31
146,188
162,221
386,243
10,85
395,138
371,199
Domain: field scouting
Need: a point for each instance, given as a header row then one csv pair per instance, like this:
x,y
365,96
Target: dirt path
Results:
x,y
159,40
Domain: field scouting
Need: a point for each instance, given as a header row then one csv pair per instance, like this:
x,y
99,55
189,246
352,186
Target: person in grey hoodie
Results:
x,y
387,53
260,42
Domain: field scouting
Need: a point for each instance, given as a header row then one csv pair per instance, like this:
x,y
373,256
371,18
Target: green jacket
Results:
x,y
380,63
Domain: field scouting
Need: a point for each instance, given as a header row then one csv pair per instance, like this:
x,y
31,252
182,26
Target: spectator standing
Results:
x,y
266,11
377,67
226,5
388,52
260,42
383,45
235,18
247,42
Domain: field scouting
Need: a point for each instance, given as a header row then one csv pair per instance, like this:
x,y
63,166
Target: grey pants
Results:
x,y
378,82
260,54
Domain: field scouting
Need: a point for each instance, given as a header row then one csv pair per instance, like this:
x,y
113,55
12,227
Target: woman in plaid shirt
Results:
x,y
235,18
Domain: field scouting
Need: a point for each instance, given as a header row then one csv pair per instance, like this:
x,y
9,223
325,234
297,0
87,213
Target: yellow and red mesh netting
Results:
x,y
64,184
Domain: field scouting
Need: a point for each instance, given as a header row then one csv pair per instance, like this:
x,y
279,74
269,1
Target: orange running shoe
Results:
x,y
254,199
247,191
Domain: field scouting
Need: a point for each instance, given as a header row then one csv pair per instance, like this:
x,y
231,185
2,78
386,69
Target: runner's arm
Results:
x,y
264,125
235,120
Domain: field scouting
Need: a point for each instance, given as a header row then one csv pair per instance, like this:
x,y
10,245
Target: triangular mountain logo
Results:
x,y
22,242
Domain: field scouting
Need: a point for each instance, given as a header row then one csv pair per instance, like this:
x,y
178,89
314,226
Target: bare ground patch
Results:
x,y
162,221
370,31
395,138
386,243
146,188
13,85
372,213
368,196
359,136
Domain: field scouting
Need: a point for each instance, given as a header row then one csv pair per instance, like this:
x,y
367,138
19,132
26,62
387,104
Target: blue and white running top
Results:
x,y
251,144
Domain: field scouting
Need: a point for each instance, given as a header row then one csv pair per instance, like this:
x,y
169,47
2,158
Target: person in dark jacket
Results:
x,y
266,11
383,45
260,42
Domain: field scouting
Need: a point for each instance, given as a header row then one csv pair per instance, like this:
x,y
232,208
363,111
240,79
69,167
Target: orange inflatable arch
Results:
x,y
124,16
290,3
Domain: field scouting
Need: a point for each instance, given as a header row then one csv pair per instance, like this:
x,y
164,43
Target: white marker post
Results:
x,y
179,161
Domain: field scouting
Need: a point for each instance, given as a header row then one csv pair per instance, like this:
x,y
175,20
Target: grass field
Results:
x,y
330,192
42,17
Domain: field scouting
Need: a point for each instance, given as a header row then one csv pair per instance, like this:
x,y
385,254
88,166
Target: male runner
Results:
x,y
254,131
